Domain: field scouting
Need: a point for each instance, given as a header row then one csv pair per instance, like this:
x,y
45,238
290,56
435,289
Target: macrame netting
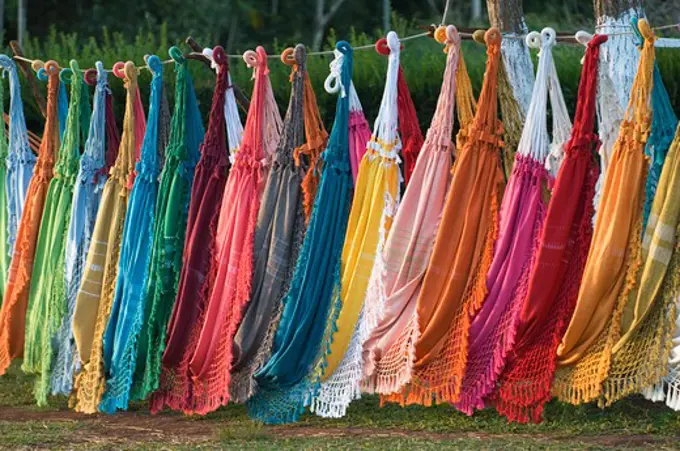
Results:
x,y
170,221
13,313
17,169
584,355
97,291
230,292
198,269
375,203
47,297
454,286
125,322
525,383
288,378
411,239
278,237
492,332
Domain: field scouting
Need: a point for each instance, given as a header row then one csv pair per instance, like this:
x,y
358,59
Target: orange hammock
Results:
x,y
455,284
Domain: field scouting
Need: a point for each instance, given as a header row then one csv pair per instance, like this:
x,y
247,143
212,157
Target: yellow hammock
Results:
x,y
94,299
584,355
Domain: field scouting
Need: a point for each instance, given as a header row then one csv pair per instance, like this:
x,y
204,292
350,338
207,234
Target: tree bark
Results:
x,y
21,21
476,9
516,77
322,17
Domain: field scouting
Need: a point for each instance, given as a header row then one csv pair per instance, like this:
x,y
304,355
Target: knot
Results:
x,y
42,74
155,64
381,47
492,37
533,40
90,77
130,73
393,42
478,36
645,30
65,75
6,62
217,57
583,37
75,69
548,36
333,82
343,47
36,65
176,54
597,40
256,60
287,57
118,70
300,54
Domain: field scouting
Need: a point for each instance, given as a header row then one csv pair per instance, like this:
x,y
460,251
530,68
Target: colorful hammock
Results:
x,y
170,220
279,233
375,203
199,268
409,244
46,306
13,313
584,355
524,386
454,286
491,335
96,293
647,323
359,132
102,142
125,321
288,378
212,360
16,170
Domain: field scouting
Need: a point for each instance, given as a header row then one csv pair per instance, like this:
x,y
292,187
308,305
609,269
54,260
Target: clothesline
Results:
x,y
562,38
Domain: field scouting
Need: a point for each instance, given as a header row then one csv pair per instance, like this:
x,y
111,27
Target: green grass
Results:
x,y
631,424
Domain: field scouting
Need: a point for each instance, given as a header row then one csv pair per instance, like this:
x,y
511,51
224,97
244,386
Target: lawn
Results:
x,y
633,424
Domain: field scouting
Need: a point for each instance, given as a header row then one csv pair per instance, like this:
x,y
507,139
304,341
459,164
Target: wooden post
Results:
x,y
30,76
516,77
241,98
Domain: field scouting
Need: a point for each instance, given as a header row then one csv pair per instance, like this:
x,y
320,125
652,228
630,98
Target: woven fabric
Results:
x,y
375,203
278,237
410,241
359,132
454,285
492,332
125,321
89,184
5,254
97,290
409,129
584,355
211,363
18,165
170,220
199,268
47,297
14,307
287,379
524,385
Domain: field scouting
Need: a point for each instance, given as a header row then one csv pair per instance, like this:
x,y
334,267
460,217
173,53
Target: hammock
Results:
x,y
491,335
287,379
170,220
454,286
46,306
584,355
359,132
375,202
524,385
96,292
211,363
199,268
16,170
409,244
122,330
278,237
87,191
13,313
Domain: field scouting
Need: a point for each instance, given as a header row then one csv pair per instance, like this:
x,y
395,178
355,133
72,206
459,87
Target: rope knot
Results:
x,y
256,60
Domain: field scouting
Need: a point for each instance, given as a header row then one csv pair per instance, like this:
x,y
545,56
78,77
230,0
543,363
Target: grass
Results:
x,y
630,424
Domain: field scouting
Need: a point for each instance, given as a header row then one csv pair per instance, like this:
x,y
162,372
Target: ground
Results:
x,y
632,424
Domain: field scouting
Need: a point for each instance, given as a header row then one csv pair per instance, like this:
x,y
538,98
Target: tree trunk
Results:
x,y
21,21
321,19
516,78
476,9
386,16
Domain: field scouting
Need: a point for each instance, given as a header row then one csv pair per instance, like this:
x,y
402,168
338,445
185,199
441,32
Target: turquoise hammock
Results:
x,y
90,181
125,321
171,215
16,169
46,302
288,379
